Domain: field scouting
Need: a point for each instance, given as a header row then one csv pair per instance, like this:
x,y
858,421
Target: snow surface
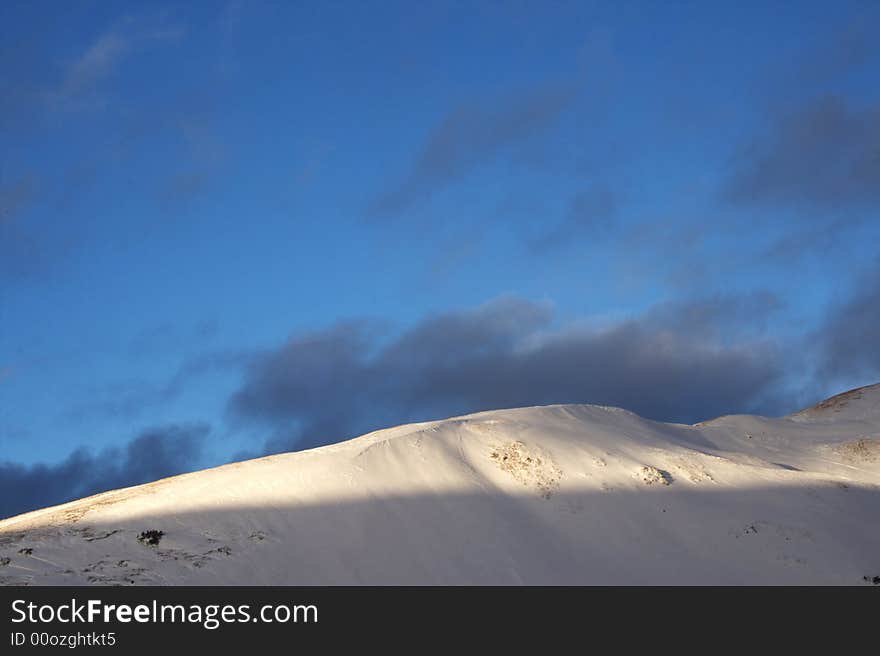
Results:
x,y
572,494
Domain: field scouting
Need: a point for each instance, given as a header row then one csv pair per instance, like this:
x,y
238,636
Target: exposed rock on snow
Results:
x,y
528,467
651,475
864,449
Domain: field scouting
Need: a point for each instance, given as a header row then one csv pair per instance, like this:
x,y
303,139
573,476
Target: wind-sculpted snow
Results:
x,y
544,495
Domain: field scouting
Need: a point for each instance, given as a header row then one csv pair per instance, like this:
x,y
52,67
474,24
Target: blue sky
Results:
x,y
229,228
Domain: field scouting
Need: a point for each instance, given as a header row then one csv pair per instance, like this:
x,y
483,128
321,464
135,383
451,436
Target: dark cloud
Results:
x,y
848,50
723,318
154,454
823,155
822,239
125,400
171,336
293,382
590,216
672,363
133,398
472,135
850,337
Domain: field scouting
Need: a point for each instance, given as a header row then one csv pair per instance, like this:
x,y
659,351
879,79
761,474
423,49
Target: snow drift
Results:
x,y
573,494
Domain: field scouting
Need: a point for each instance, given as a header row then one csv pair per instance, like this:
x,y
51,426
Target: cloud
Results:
x,y
824,155
723,318
106,53
471,135
590,215
850,50
133,398
96,62
850,336
675,362
154,454
823,239
169,336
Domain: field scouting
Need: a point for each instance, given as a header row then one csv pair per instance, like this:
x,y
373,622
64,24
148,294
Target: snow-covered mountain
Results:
x,y
573,494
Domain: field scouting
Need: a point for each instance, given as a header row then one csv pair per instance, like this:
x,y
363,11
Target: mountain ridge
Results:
x,y
606,495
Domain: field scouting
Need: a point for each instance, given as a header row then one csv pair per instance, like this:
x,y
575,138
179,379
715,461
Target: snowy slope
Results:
x,y
545,495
